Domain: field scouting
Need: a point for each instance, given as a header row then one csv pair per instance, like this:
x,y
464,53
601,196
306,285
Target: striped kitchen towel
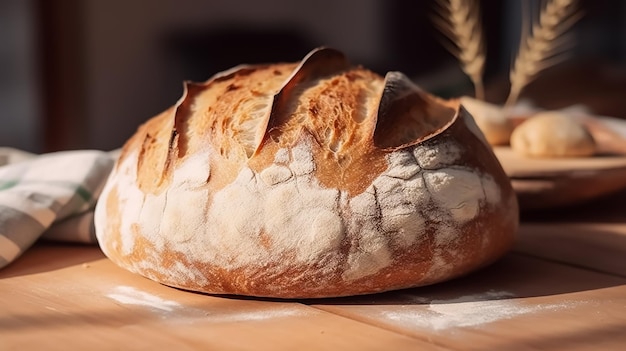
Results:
x,y
50,195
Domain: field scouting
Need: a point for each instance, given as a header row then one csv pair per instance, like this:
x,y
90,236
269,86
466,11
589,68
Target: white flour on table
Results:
x,y
467,311
177,312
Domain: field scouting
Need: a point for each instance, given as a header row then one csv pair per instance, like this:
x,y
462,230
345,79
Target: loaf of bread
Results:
x,y
491,119
552,134
306,180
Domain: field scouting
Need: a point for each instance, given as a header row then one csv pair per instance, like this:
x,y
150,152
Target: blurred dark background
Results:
x,y
85,73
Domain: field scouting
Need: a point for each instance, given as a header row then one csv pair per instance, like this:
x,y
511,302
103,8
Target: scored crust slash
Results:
x,y
306,180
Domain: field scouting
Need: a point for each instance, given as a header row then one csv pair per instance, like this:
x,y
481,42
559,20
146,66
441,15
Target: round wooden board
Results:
x,y
548,183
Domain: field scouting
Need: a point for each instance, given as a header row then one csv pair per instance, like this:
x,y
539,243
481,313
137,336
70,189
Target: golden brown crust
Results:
x,y
306,180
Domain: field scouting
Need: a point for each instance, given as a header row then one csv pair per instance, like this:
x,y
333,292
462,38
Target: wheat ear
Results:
x,y
543,46
460,21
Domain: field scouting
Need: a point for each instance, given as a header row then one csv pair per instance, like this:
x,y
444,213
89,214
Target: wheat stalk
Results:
x,y
460,21
543,46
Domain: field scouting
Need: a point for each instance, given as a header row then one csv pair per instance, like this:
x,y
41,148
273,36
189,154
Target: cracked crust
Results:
x,y
306,180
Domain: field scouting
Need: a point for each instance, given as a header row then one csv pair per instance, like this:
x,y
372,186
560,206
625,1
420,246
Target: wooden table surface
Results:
x,y
562,288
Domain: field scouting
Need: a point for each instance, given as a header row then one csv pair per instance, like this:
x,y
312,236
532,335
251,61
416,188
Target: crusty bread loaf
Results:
x,y
491,119
306,180
553,134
